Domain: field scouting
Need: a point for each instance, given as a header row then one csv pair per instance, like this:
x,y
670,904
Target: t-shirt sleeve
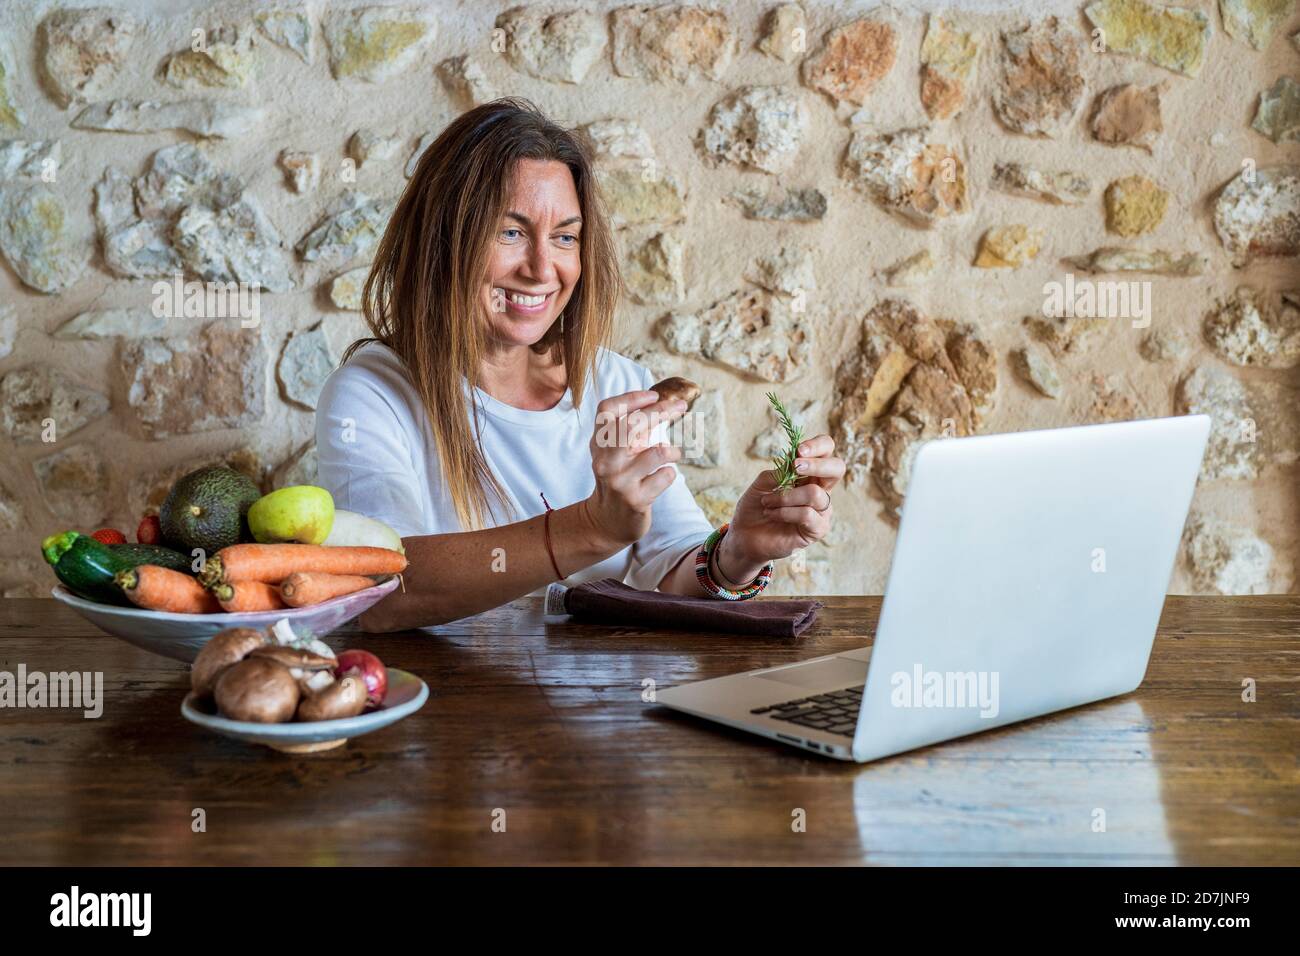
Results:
x,y
363,446
678,527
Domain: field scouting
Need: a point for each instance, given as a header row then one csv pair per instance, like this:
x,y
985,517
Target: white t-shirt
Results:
x,y
378,457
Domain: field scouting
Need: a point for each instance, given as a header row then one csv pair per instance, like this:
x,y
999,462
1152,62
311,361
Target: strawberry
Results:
x,y
150,530
109,536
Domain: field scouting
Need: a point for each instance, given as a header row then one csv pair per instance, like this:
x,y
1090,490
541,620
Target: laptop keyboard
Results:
x,y
835,712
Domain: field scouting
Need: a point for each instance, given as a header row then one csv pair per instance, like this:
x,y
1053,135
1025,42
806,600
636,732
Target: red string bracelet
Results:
x,y
546,532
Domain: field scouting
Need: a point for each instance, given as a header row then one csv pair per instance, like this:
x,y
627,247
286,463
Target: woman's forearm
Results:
x,y
681,579
727,567
450,576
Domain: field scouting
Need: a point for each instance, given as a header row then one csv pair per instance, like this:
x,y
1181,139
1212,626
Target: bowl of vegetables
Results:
x,y
182,636
220,556
291,692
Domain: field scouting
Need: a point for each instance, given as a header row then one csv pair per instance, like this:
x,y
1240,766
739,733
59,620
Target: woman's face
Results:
x,y
534,254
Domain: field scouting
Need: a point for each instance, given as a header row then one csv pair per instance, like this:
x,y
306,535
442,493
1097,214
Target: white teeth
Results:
x,y
518,299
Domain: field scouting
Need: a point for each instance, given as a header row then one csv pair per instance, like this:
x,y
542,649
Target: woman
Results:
x,y
486,397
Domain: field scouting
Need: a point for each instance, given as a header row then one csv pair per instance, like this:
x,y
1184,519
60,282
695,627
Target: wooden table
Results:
x,y
544,727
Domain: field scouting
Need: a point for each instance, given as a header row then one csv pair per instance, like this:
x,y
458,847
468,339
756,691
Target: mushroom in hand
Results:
x,y
679,388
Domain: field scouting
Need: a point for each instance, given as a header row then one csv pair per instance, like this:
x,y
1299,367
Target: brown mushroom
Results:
x,y
224,649
312,671
259,690
671,388
295,657
345,697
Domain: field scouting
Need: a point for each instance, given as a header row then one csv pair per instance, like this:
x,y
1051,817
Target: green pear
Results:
x,y
299,513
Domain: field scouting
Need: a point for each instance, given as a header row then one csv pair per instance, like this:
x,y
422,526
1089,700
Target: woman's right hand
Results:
x,y
629,471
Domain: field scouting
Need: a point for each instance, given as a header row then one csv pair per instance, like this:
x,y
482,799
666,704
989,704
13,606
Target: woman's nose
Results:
x,y
541,265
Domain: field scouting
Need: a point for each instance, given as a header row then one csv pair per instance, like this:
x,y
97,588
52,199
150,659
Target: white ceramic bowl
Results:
x,y
181,636
406,694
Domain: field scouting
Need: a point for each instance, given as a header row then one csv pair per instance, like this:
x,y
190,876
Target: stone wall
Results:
x,y
858,207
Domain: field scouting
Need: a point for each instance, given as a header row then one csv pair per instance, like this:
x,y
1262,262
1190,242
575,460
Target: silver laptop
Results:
x,y
1028,576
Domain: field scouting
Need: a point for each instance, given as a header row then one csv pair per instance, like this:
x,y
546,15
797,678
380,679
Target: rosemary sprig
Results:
x,y
786,476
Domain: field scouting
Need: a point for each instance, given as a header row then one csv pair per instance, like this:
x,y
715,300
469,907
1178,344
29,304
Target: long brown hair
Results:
x,y
422,297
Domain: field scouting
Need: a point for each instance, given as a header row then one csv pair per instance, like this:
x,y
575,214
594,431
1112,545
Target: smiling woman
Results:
x,y
475,419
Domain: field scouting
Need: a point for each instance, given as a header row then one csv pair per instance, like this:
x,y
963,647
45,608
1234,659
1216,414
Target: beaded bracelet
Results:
x,y
702,575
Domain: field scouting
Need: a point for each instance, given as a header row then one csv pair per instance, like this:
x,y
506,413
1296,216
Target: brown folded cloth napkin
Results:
x,y
612,602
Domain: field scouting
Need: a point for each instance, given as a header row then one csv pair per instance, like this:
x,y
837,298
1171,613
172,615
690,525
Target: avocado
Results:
x,y
207,509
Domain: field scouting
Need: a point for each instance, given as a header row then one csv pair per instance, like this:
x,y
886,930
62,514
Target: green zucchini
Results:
x,y
87,566
138,554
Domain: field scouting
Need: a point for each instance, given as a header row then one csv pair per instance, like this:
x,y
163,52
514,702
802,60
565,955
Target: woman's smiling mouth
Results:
x,y
525,304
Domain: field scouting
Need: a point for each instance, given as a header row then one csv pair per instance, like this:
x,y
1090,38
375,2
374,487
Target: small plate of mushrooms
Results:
x,y
293,693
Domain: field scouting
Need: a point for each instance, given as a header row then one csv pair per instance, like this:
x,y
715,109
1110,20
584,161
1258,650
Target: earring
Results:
x,y
561,323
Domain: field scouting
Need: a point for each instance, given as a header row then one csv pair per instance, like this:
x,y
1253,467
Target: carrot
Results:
x,y
273,563
311,587
161,589
240,597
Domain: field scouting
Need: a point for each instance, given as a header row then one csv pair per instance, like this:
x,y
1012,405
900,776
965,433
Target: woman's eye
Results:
x,y
572,239
505,233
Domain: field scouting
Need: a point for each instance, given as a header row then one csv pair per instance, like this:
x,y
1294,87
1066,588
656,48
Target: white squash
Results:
x,y
356,530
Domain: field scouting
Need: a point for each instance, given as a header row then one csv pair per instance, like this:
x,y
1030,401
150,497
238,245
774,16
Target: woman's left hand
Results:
x,y
771,524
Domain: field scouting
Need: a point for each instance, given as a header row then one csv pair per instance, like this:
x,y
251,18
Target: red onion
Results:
x,y
370,669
